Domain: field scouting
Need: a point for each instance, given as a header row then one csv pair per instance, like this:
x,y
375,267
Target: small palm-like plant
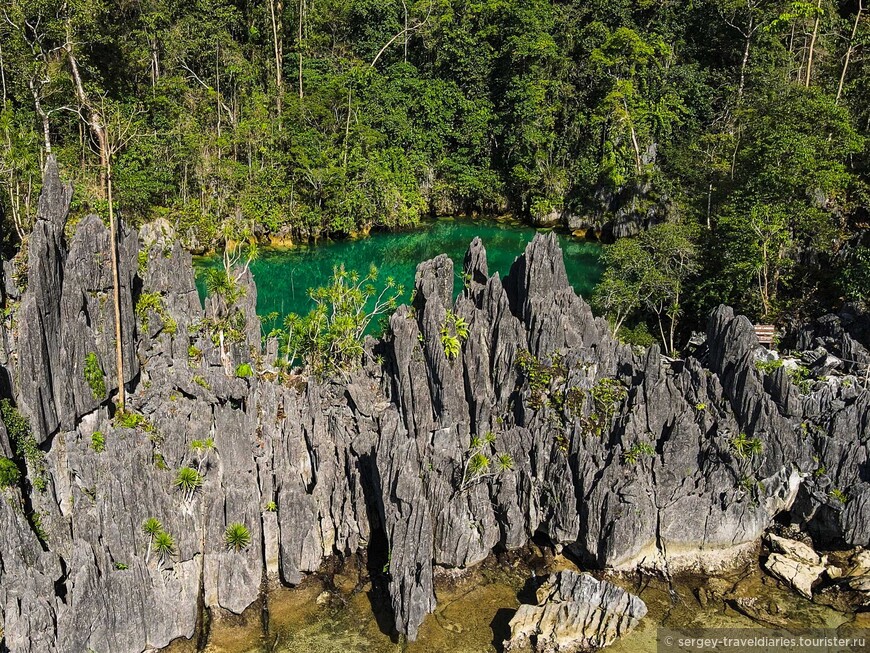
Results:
x,y
164,545
237,536
152,527
202,448
745,446
188,480
504,462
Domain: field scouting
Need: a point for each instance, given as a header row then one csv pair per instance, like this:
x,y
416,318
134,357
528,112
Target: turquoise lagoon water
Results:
x,y
283,276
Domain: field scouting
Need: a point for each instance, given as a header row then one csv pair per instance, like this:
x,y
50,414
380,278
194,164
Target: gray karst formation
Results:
x,y
624,459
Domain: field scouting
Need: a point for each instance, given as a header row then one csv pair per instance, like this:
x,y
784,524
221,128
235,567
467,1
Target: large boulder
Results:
x,y
575,612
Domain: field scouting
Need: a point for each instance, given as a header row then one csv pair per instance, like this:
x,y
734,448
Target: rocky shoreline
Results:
x,y
624,459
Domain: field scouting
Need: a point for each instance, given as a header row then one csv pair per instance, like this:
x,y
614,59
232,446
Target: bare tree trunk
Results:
x,y
745,60
405,9
43,116
95,122
813,43
849,50
299,44
279,52
347,128
217,73
3,75
155,62
709,204
116,283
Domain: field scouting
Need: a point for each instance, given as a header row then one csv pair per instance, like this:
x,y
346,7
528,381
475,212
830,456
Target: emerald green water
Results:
x,y
283,276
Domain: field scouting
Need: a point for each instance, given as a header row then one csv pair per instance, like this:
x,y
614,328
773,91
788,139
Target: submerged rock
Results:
x,y
575,612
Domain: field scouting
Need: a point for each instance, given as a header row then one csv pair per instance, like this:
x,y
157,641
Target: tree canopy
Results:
x,y
318,117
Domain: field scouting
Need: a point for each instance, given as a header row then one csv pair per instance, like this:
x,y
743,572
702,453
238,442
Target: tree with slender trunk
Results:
x,y
276,9
850,49
299,43
152,528
748,28
110,140
819,12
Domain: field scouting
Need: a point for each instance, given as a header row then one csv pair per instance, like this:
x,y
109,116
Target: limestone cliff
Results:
x,y
628,459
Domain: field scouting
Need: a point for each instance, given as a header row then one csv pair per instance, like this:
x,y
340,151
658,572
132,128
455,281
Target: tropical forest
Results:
x,y
433,326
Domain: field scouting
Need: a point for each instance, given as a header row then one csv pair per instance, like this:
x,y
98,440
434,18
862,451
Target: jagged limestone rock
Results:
x,y
796,573
377,459
575,612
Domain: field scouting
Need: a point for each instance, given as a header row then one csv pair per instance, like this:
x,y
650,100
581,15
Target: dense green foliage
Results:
x,y
98,441
94,376
9,473
648,275
746,120
26,448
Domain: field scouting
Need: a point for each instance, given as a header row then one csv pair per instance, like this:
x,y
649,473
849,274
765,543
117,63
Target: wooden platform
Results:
x,y
765,334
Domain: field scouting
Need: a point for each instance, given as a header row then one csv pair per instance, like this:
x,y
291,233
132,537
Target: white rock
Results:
x,y
799,575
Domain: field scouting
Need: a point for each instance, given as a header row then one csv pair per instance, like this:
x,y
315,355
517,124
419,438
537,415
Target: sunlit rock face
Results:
x,y
574,613
629,459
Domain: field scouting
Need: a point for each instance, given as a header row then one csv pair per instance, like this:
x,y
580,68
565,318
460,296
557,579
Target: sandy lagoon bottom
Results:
x,y
340,612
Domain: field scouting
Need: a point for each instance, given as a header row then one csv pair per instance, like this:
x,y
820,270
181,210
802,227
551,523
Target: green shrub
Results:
x,y
639,336
153,302
244,371
200,381
606,395
98,441
539,375
453,333
329,339
839,495
768,367
9,473
95,377
18,428
131,420
237,537
637,452
800,376
271,507
120,566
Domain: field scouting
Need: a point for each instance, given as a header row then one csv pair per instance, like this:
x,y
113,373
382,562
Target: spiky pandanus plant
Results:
x,y
237,536
188,480
152,527
164,546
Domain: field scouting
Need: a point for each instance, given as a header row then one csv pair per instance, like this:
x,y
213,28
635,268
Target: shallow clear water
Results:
x,y
474,610
284,276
